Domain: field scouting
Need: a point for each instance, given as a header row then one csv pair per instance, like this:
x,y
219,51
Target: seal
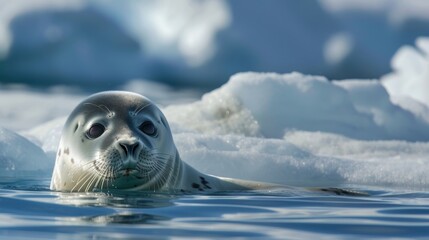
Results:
x,y
122,140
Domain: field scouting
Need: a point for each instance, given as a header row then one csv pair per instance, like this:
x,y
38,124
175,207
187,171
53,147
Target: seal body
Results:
x,y
121,140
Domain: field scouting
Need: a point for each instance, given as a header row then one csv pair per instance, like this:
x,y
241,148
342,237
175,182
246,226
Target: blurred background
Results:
x,y
100,44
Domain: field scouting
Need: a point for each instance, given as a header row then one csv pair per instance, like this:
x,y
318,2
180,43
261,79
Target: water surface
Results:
x,y
28,209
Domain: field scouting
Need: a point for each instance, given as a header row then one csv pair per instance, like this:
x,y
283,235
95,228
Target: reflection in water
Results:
x,y
126,218
119,199
136,202
31,213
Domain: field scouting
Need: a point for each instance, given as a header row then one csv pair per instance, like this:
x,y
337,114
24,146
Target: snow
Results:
x,y
299,129
270,104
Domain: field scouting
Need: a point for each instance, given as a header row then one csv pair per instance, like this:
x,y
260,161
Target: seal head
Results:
x,y
116,140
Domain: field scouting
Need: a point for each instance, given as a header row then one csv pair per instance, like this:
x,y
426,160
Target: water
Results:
x,y
29,210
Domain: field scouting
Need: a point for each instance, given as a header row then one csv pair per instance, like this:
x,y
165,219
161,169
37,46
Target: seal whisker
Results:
x,y
102,107
154,168
83,180
91,183
165,177
82,177
161,154
104,169
139,109
105,179
162,181
99,178
158,171
86,184
102,182
108,176
89,175
157,151
111,172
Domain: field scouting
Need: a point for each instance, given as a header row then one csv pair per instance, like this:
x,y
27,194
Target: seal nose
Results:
x,y
129,148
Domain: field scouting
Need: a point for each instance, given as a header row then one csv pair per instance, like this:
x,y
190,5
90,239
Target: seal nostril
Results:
x,y
129,149
124,148
134,148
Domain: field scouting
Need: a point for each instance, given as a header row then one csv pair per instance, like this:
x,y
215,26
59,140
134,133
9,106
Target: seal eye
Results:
x,y
148,128
95,131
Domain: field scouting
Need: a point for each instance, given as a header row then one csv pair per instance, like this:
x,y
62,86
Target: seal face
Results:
x,y
116,140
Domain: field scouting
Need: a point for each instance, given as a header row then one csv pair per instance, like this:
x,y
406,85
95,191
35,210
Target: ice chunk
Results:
x,y
270,104
21,158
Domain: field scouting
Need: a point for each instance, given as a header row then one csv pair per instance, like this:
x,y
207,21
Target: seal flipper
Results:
x,y
340,191
238,184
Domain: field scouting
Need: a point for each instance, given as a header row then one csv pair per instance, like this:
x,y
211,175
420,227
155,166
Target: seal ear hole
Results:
x,y
164,122
76,127
148,128
95,131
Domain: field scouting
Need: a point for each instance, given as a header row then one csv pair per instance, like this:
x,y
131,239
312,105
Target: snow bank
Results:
x,y
317,123
269,104
261,159
309,159
380,163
